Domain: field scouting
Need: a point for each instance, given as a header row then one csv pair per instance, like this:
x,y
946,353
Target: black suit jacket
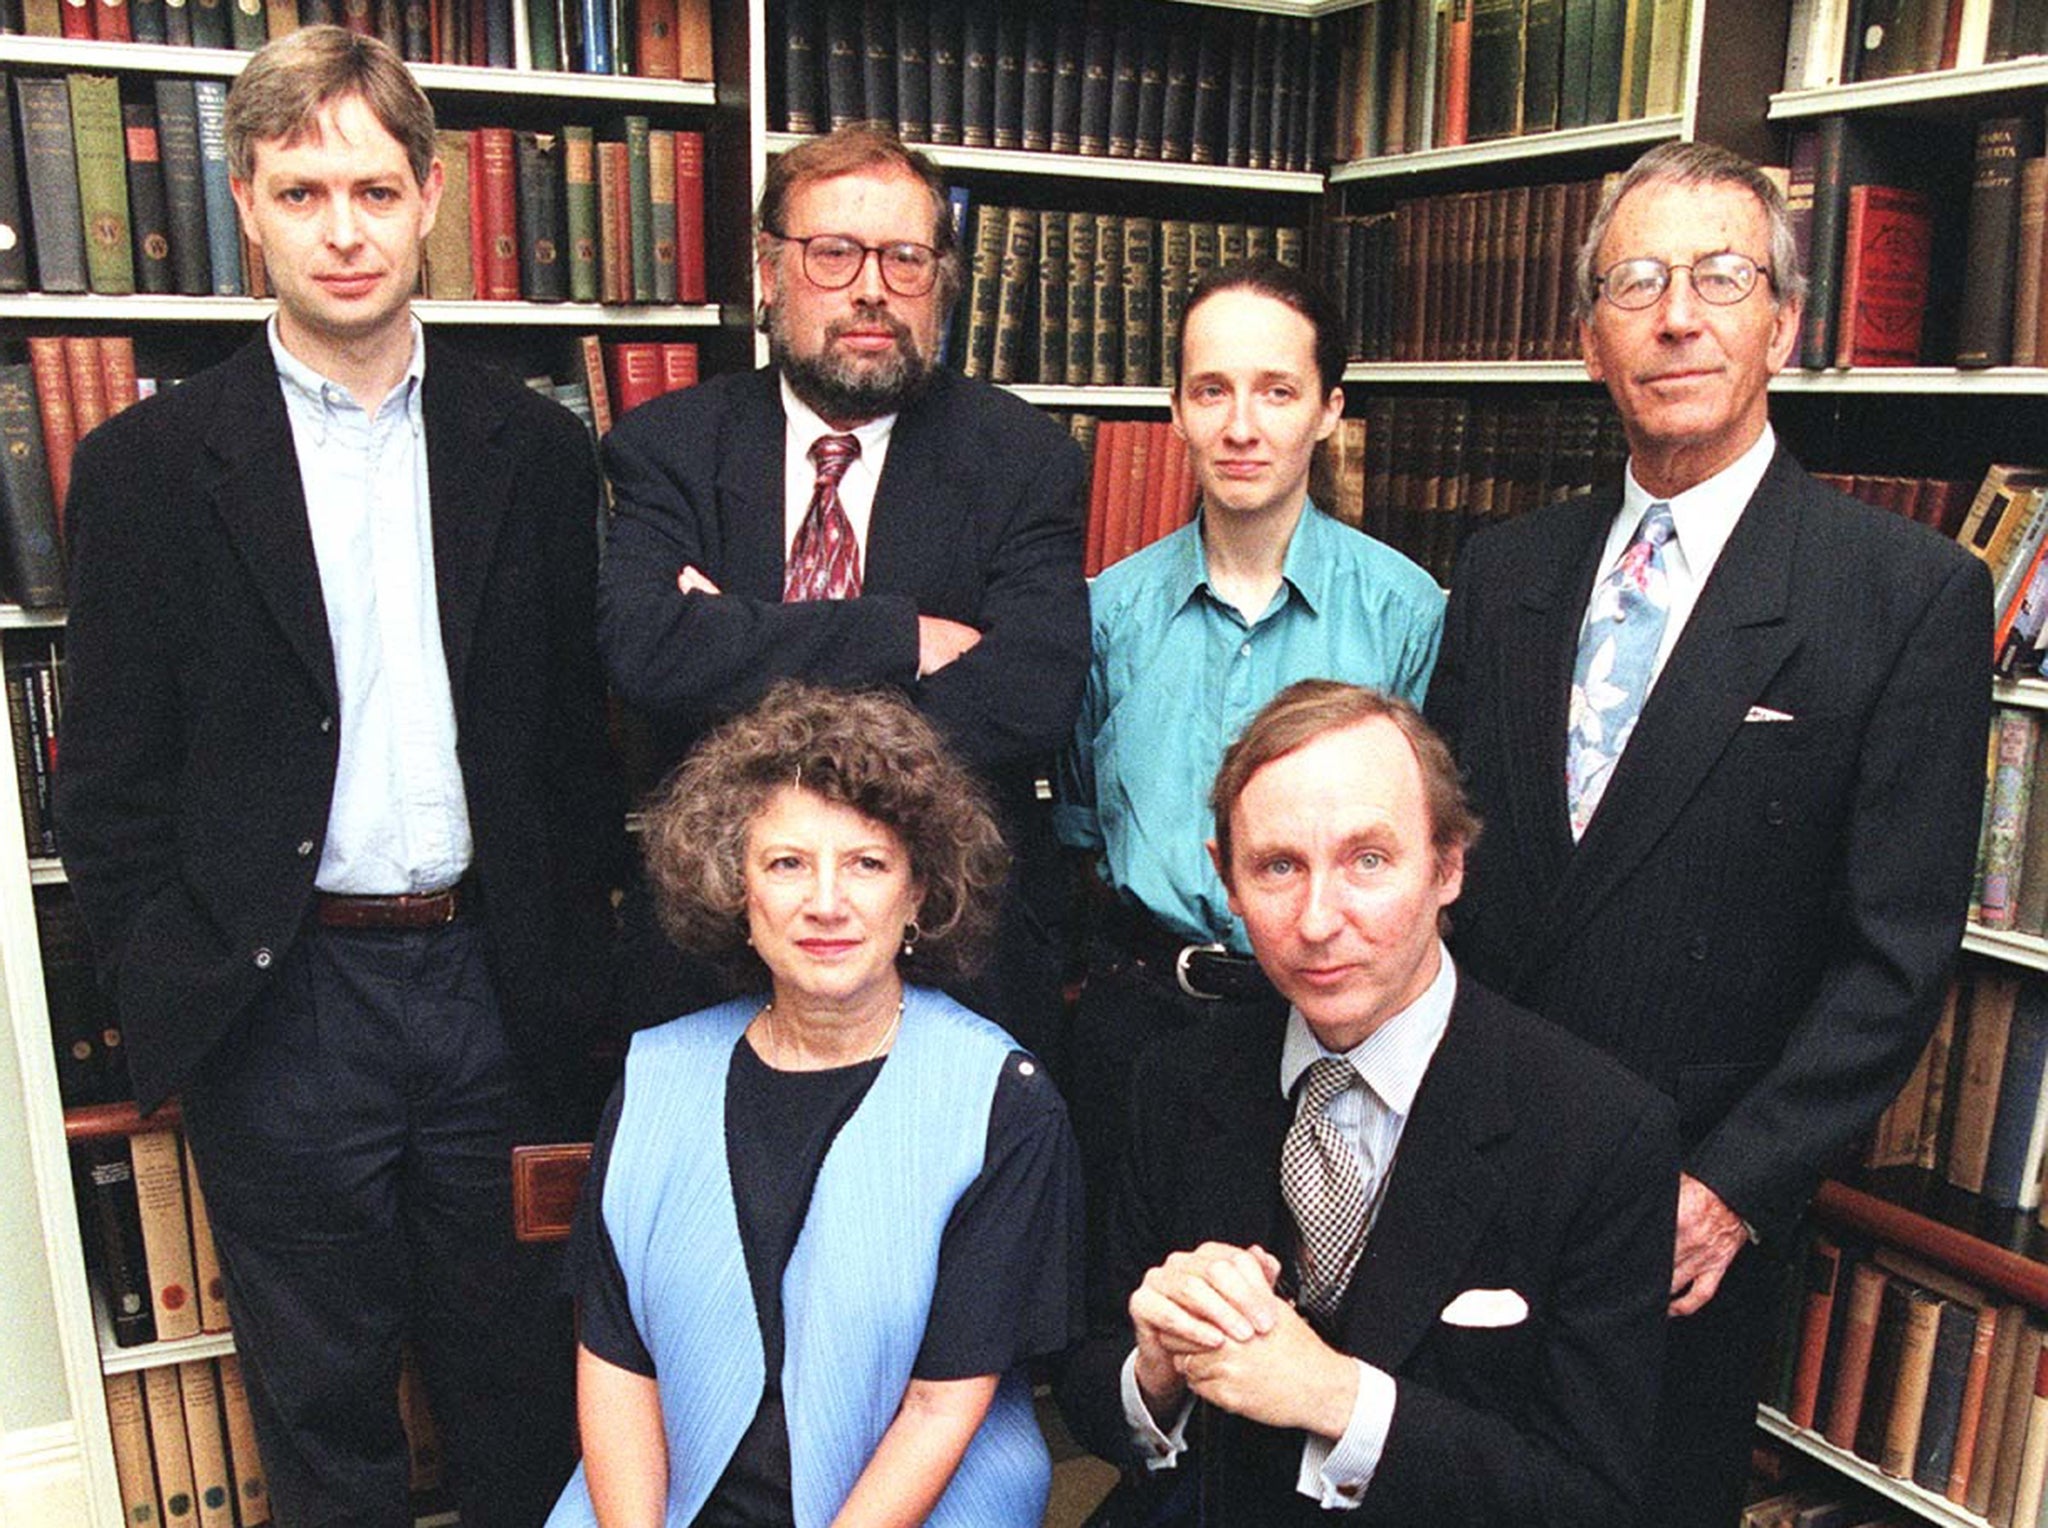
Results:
x,y
1527,1163
1761,916
201,725
977,518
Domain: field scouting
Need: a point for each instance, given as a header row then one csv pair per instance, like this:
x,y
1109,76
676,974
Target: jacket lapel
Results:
x,y
256,492
1441,1199
750,492
1540,650
908,532
1735,642
469,480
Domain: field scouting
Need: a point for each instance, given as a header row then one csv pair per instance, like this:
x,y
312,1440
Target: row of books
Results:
x,y
2012,862
35,699
1828,1504
185,1451
1125,79
1437,468
1141,485
1425,74
1839,42
1974,1111
67,387
1941,503
133,196
1088,298
1922,1375
148,1239
1467,276
2006,527
85,1026
658,39
1863,203
568,216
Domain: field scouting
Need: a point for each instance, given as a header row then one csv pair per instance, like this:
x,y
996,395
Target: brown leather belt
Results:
x,y
404,910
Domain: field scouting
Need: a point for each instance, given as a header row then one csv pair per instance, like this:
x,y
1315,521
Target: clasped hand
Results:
x,y
1209,1321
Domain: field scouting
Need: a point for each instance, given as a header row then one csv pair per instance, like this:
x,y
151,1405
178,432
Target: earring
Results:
x,y
911,934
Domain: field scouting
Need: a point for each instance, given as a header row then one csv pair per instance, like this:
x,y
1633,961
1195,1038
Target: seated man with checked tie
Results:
x,y
1397,1252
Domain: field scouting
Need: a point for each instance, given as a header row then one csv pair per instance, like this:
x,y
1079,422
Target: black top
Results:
x,y
1008,1285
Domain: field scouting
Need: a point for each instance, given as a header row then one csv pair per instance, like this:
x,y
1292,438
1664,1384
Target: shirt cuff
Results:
x,y
1335,1475
1159,1450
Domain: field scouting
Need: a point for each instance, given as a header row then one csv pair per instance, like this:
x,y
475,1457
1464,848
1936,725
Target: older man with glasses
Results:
x,y
1726,728
854,515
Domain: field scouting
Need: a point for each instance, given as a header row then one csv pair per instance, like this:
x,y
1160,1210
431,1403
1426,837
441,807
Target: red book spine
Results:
x,y
634,367
654,41
1159,470
678,366
77,20
88,391
117,370
1457,85
110,21
495,189
1107,434
1885,249
53,400
690,285
476,216
615,221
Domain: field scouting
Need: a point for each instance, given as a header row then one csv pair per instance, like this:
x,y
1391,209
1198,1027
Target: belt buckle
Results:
x,y
1180,969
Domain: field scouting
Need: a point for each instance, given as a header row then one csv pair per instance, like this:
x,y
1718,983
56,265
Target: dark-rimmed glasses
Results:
x,y
832,261
1722,279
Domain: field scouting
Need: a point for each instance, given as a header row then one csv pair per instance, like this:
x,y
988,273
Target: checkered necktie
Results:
x,y
1617,650
1323,1187
825,562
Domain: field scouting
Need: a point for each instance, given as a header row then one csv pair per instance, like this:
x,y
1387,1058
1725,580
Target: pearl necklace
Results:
x,y
775,1035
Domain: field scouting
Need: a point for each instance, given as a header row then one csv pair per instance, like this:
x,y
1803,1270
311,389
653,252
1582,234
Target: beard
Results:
x,y
850,390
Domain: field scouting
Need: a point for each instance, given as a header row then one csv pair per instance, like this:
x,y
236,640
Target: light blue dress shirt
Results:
x,y
1177,673
399,821
1370,1114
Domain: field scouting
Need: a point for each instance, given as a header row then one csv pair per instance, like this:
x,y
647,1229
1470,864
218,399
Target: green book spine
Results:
x,y
639,191
1013,296
35,559
1080,297
542,36
1109,282
579,185
1052,297
1176,254
1141,300
661,201
245,25
102,182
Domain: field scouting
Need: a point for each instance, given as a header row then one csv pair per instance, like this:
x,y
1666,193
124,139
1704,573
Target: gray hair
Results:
x,y
1695,164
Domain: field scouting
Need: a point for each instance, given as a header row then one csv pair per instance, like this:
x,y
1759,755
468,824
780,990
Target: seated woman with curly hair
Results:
x,y
826,1225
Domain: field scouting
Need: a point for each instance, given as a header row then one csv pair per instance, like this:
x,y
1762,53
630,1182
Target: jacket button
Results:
x,y
1697,949
326,724
1774,813
262,957
305,847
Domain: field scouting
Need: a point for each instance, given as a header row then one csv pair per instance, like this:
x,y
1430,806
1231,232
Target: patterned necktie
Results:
x,y
825,562
1324,1189
1617,650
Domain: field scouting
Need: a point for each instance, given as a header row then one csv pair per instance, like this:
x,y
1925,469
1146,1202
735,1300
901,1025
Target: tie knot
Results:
x,y
1657,527
1325,1078
832,455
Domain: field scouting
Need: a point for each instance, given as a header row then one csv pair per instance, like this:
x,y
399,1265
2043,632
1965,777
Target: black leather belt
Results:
x,y
1207,971
401,910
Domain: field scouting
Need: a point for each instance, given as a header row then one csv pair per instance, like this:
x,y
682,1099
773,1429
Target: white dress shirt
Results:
x,y
1371,1115
800,473
1703,518
399,821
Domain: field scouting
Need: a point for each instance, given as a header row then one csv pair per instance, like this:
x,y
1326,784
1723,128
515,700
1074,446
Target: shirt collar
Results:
x,y
304,382
806,427
1705,515
1306,569
1392,1059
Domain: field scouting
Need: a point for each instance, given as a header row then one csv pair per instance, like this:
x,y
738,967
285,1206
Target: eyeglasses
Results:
x,y
1718,279
833,261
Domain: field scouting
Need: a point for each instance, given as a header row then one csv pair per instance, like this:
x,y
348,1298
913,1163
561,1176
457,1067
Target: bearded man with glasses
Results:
x,y
854,515
1726,728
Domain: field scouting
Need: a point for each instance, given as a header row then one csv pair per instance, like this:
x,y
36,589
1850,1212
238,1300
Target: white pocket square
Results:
x,y
1487,1307
1766,714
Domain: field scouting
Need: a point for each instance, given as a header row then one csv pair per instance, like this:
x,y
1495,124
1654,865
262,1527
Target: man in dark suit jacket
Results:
x,y
337,806
1760,915
1490,1355
962,503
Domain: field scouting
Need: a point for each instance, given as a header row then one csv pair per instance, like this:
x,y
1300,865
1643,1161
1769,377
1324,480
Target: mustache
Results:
x,y
870,316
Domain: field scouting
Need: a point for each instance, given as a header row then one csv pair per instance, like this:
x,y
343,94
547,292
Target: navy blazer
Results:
x,y
1761,917
977,518
201,727
1527,1163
